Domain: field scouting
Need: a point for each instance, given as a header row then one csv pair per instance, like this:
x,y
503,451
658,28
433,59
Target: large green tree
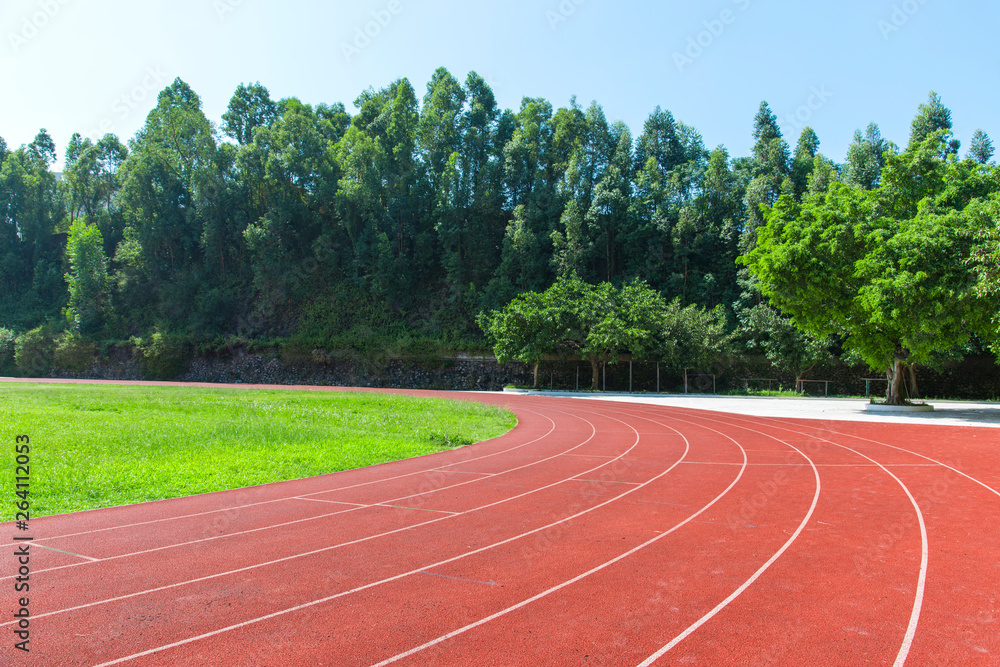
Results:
x,y
888,269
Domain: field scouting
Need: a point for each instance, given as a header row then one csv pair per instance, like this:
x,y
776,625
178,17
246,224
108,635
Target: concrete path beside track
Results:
x,y
597,532
955,413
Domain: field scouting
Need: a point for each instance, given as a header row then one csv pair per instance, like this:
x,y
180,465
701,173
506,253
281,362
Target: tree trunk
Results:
x,y
595,375
536,376
914,390
894,395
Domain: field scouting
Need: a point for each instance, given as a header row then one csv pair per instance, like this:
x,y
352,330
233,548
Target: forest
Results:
x,y
401,228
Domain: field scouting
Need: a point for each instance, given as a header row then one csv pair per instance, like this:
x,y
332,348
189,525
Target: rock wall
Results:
x,y
974,378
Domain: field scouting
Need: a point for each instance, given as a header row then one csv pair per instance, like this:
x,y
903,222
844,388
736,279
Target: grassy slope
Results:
x,y
102,446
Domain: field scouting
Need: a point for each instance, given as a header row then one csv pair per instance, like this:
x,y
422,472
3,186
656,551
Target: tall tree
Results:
x,y
804,161
87,279
886,269
981,147
933,116
250,107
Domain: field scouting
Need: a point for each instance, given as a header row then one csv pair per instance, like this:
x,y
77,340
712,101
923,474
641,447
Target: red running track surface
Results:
x,y
594,533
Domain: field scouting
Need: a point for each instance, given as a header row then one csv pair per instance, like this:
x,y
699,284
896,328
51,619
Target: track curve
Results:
x,y
593,533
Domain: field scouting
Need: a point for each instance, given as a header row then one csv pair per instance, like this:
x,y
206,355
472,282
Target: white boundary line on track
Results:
x,y
911,628
901,449
586,574
301,495
433,565
356,507
325,549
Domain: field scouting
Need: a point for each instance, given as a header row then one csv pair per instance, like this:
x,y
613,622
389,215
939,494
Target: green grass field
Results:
x,y
102,446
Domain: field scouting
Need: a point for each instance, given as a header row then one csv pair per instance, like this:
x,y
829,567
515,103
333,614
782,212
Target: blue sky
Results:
x,y
89,67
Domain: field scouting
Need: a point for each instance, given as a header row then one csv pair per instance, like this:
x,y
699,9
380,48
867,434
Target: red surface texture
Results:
x,y
592,534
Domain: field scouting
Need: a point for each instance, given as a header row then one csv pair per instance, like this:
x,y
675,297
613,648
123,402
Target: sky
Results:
x,y
93,66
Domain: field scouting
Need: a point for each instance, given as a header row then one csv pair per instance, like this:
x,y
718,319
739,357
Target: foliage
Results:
x,y
693,338
599,323
306,227
33,352
163,356
7,338
73,353
887,269
785,345
87,278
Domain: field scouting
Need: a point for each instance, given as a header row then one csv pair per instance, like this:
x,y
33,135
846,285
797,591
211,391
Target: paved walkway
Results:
x,y
946,413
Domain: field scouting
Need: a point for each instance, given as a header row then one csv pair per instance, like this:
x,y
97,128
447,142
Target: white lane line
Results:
x,y
756,575
356,507
426,567
911,628
902,449
552,428
336,546
570,582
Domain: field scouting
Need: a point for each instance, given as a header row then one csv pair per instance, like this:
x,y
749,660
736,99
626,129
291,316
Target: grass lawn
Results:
x,y
101,446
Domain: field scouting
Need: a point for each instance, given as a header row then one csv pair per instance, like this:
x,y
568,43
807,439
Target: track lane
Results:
x,y
854,493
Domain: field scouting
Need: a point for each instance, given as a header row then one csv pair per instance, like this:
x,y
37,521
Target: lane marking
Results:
x,y
586,574
552,428
355,507
372,537
604,481
911,627
418,509
412,572
749,582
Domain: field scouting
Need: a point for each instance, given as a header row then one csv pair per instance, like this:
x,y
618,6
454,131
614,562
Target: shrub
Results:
x,y
73,353
33,353
7,338
163,356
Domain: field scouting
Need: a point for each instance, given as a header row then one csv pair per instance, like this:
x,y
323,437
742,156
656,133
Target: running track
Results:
x,y
592,534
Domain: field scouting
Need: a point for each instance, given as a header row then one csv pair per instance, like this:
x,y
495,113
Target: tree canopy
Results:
x,y
389,225
888,269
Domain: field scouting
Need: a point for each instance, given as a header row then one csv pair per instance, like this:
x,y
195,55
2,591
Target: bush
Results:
x,y
7,338
163,356
73,353
33,353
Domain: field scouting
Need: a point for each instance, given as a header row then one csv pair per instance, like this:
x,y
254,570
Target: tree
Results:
x,y
87,278
524,330
251,107
597,323
804,160
981,147
692,337
787,347
984,214
866,158
886,269
933,116
769,167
